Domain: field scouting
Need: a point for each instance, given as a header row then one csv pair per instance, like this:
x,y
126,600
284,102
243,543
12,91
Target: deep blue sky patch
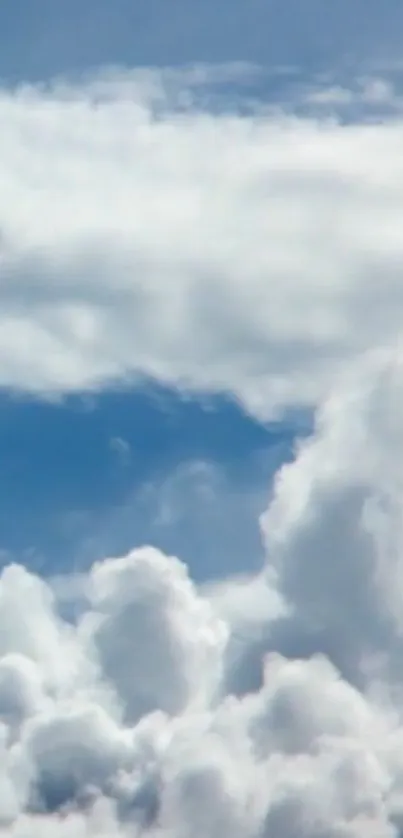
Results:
x,y
102,474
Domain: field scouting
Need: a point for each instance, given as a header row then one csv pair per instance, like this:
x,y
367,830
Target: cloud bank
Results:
x,y
125,721
254,252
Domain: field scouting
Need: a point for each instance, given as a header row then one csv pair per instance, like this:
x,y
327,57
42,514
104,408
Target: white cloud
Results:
x,y
339,507
250,253
145,611
138,732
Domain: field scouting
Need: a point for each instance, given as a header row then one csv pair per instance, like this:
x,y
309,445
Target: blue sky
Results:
x,y
40,39
96,475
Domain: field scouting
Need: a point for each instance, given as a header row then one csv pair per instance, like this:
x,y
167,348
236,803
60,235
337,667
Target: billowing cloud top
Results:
x,y
124,721
144,234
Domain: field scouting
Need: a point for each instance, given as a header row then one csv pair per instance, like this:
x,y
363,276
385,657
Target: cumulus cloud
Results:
x,y
340,507
144,610
127,721
143,234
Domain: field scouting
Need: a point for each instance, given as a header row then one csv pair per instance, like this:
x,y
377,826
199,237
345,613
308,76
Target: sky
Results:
x,y
104,473
201,419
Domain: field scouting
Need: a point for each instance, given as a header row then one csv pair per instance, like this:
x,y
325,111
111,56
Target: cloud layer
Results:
x,y
143,234
125,721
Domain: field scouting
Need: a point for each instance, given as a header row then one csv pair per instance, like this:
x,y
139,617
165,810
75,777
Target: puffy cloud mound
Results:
x,y
145,611
334,528
123,722
145,235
